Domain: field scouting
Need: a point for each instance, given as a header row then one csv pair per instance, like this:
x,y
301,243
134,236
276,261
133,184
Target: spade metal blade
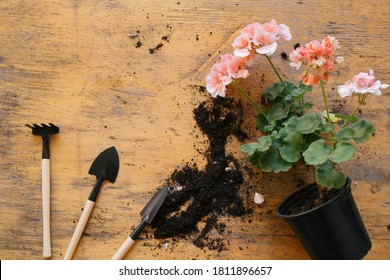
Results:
x,y
106,165
154,204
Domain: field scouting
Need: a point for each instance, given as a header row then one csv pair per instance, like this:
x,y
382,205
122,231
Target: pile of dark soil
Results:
x,y
198,197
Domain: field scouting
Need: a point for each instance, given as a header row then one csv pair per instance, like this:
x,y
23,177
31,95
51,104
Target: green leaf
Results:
x,y
277,112
291,150
342,153
262,123
309,123
277,138
299,91
317,153
274,91
359,132
250,148
291,125
262,145
271,161
270,127
254,159
328,177
308,139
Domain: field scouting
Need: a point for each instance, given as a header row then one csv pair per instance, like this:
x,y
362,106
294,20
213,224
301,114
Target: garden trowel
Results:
x,y
104,167
147,215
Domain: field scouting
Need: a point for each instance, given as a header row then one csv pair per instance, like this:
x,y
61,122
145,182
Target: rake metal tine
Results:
x,y
36,126
52,125
45,125
29,126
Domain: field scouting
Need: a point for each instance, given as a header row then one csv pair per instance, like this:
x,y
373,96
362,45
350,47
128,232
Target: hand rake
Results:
x,y
45,131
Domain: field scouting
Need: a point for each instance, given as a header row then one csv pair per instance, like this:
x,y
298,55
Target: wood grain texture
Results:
x,y
74,64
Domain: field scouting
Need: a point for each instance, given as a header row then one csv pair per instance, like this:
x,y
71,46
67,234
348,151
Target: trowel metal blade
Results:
x,y
154,204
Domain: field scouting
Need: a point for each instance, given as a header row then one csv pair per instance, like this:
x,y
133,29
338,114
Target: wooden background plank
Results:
x,y
72,63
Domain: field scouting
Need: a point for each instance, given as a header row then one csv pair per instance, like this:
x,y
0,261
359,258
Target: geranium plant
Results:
x,y
295,130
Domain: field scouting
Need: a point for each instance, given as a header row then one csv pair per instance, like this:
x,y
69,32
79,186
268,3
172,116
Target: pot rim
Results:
x,y
290,199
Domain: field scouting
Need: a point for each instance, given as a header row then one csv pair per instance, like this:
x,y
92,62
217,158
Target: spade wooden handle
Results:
x,y
46,207
123,249
79,229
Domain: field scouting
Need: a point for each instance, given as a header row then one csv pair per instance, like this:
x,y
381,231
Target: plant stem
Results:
x,y
277,74
249,99
350,117
325,101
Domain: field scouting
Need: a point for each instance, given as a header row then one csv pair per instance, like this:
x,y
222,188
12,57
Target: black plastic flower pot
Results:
x,y
332,231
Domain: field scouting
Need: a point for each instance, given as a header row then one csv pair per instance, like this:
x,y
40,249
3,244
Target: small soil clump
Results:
x,y
198,197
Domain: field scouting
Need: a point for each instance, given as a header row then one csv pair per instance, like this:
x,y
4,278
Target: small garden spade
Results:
x,y
45,131
104,167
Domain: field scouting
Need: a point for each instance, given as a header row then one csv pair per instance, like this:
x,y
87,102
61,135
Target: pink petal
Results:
x,y
297,65
251,29
267,49
284,31
345,90
339,59
375,88
241,52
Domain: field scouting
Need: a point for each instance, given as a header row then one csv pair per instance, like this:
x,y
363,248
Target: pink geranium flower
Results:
x,y
242,45
319,59
268,34
362,83
296,57
255,36
216,83
251,29
261,37
235,66
230,68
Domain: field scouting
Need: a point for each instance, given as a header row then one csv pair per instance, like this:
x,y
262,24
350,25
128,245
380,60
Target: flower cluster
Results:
x,y
362,83
319,59
224,72
261,37
254,38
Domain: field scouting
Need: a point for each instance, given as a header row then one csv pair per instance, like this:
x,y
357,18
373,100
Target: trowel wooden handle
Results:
x,y
46,207
79,229
130,241
123,249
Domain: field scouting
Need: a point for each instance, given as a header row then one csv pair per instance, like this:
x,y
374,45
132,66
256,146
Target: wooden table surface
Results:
x,y
74,64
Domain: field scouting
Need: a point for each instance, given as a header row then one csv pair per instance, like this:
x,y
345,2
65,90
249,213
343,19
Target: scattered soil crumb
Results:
x,y
206,194
138,44
159,46
165,38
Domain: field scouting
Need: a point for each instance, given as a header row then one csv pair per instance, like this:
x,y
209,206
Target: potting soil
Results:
x,y
198,197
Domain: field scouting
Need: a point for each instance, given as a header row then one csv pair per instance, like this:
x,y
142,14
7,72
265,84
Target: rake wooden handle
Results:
x,y
79,229
46,207
123,249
